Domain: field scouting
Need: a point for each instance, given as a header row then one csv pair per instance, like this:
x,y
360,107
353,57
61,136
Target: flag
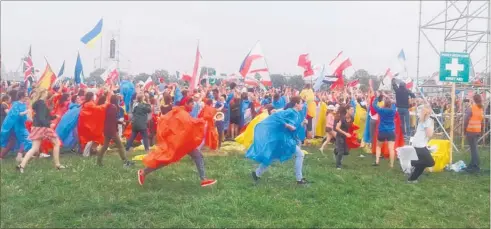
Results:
x,y
318,81
148,84
339,74
111,74
409,85
62,70
254,64
305,63
60,74
28,68
335,58
92,35
401,55
354,83
194,81
79,71
48,78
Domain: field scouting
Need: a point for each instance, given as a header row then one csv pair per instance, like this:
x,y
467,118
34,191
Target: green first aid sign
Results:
x,y
454,67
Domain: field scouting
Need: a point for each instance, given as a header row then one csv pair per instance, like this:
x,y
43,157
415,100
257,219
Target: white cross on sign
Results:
x,y
454,67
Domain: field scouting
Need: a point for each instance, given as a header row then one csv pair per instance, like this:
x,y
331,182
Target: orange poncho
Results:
x,y
91,123
211,135
177,135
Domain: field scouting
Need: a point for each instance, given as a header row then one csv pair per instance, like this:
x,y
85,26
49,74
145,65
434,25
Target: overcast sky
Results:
x,y
155,35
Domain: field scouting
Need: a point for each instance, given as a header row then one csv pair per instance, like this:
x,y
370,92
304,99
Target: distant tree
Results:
x,y
160,74
278,80
141,77
296,82
95,76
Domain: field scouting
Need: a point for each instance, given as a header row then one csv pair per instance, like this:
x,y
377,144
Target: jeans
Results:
x,y
298,165
424,160
144,135
405,121
472,140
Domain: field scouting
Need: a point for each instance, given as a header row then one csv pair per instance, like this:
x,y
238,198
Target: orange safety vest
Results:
x,y
475,121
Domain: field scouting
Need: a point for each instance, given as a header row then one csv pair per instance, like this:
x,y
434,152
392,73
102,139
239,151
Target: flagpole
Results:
x,y
102,41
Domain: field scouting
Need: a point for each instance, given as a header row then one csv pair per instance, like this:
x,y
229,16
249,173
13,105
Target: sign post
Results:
x,y
454,67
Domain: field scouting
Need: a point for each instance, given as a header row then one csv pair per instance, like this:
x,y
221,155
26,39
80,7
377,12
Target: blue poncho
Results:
x,y
127,89
273,141
67,127
15,125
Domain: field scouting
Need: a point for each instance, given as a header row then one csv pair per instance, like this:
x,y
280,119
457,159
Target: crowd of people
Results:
x,y
173,121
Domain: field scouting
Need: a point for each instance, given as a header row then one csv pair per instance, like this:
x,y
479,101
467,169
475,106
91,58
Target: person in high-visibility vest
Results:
x,y
473,124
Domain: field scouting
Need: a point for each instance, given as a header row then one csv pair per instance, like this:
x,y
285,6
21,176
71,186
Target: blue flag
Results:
x,y
79,71
62,70
319,80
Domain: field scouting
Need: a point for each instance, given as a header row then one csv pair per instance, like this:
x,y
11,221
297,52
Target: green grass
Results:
x,y
360,195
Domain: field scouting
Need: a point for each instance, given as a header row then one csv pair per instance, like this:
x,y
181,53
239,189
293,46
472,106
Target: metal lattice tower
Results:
x,y
466,28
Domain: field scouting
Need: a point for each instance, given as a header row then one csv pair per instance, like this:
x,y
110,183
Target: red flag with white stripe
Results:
x,y
305,63
195,78
148,83
255,64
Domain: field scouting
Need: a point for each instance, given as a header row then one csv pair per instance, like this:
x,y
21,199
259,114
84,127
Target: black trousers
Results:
x,y
425,160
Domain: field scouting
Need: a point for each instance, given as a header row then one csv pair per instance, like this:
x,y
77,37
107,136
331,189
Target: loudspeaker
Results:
x,y
112,50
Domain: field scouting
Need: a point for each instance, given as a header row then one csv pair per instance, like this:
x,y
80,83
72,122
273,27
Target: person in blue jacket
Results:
x,y
278,138
386,129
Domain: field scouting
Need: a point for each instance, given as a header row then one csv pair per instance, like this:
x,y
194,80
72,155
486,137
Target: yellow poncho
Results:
x,y
308,96
320,127
247,136
360,120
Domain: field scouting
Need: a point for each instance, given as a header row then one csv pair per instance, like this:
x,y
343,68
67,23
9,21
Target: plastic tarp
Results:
x,y
67,127
272,140
14,125
127,89
177,135
246,137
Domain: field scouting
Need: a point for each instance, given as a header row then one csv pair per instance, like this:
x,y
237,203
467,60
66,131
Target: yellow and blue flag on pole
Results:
x,y
93,35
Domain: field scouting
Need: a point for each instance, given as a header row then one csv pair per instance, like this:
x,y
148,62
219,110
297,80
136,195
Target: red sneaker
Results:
x,y
208,182
141,177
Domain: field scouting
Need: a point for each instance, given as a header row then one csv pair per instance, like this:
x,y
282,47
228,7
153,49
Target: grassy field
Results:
x,y
360,195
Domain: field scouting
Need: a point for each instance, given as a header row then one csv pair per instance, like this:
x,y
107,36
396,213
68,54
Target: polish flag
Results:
x,y
305,63
111,74
195,79
385,83
148,83
255,63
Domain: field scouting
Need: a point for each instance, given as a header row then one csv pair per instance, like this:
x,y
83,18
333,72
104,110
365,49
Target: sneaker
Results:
x,y
141,177
362,156
303,181
208,182
254,176
412,181
44,155
375,164
338,167
128,163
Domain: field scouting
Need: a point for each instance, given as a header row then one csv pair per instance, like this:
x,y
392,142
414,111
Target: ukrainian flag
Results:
x,y
93,35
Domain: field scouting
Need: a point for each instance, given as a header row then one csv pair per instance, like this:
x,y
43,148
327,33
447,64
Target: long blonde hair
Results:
x,y
425,112
39,94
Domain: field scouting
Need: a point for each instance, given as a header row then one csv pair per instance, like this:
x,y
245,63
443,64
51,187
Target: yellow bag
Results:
x,y
442,154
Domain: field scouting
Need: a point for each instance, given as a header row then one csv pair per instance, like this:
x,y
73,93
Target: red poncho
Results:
x,y
177,135
91,123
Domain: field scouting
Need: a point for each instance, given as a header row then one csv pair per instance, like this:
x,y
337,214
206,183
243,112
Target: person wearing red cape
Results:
x,y
178,135
388,134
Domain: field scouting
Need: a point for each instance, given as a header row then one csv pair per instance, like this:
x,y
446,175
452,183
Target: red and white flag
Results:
x,y
254,65
148,83
354,83
194,81
111,74
305,63
338,72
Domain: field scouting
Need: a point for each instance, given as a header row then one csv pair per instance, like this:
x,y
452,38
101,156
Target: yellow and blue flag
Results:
x,y
93,35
